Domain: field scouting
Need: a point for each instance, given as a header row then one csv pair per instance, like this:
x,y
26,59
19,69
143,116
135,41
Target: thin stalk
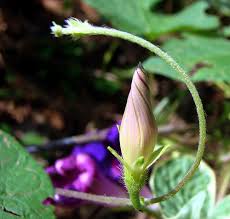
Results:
x,y
113,201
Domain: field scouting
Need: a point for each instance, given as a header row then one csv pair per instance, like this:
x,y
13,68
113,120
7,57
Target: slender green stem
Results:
x,y
113,201
76,29
108,200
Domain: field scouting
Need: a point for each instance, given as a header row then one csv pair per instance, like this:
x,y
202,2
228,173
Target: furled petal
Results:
x,y
138,131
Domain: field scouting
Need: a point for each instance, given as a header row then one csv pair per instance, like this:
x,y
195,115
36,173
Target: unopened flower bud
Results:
x,y
138,134
138,131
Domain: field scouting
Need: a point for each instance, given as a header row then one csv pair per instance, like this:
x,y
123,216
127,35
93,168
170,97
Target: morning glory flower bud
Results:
x,y
138,131
138,134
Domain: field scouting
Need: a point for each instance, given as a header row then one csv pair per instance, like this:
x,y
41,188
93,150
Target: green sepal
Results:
x,y
136,175
115,154
155,156
139,162
134,178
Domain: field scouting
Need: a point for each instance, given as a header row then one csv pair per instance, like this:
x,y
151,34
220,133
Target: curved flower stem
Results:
x,y
113,201
76,28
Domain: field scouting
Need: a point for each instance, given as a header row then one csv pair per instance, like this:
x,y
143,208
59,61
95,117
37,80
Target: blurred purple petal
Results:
x,y
115,170
96,149
89,168
112,138
104,186
66,165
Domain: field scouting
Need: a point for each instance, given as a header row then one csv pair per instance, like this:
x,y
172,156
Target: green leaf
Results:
x,y
194,199
147,4
225,87
226,31
222,210
139,19
223,6
23,183
193,208
31,137
206,58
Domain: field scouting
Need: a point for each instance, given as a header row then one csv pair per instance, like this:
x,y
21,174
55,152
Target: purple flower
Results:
x,y
74,171
89,168
95,149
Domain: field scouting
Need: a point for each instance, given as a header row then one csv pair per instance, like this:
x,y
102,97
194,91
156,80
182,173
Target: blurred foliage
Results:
x,y
140,19
222,210
164,110
5,127
107,85
205,58
24,184
219,135
226,31
223,6
32,138
197,198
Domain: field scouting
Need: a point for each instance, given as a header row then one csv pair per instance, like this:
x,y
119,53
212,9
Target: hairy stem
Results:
x,y
76,29
113,201
107,200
